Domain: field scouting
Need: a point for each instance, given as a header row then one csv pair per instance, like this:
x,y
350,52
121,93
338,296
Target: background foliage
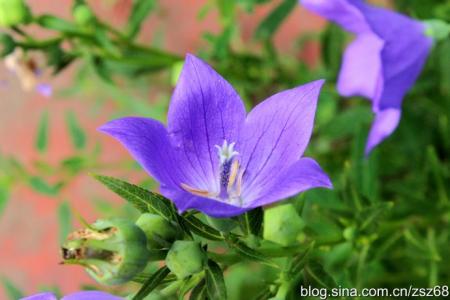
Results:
x,y
385,224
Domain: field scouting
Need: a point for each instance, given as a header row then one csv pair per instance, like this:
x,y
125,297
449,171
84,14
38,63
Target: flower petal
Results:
x,y
340,11
90,295
41,296
148,142
303,175
361,67
275,135
204,111
403,57
213,208
386,121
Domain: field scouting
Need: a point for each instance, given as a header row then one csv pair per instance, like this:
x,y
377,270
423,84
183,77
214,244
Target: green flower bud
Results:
x,y
185,258
83,15
7,44
282,224
13,12
160,233
112,251
437,29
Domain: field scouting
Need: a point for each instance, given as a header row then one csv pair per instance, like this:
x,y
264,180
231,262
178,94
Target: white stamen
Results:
x,y
226,152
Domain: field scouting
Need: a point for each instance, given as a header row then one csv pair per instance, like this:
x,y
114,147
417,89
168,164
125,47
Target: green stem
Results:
x,y
171,289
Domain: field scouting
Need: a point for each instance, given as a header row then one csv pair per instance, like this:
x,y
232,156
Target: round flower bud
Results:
x,y
83,15
160,233
112,251
282,224
185,258
13,12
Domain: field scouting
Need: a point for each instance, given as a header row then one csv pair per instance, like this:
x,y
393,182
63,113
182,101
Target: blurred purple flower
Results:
x,y
383,61
214,158
86,295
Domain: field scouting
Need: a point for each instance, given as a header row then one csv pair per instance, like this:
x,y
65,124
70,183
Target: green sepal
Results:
x,y
185,258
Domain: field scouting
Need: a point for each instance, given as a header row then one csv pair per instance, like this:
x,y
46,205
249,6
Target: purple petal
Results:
x,y
204,111
384,124
44,89
41,296
275,136
213,208
405,52
361,67
303,175
340,11
91,295
148,142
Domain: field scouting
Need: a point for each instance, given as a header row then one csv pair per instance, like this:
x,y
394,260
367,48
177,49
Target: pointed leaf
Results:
x,y
215,284
249,253
76,132
4,197
12,291
41,142
299,261
65,220
152,283
251,221
41,186
199,292
270,24
316,276
143,200
202,229
140,10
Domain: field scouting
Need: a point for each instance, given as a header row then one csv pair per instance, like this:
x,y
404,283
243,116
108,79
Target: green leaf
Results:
x,y
215,284
76,132
199,292
74,164
58,58
65,220
143,200
101,35
152,283
4,197
41,142
251,221
270,24
316,276
202,229
7,44
299,261
333,42
58,24
12,291
140,10
189,284
249,253
101,69
41,186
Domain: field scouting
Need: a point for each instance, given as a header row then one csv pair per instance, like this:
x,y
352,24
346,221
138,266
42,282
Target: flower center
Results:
x,y
230,177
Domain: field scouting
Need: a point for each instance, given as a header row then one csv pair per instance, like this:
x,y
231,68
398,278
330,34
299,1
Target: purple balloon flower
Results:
x,y
383,61
213,157
86,295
